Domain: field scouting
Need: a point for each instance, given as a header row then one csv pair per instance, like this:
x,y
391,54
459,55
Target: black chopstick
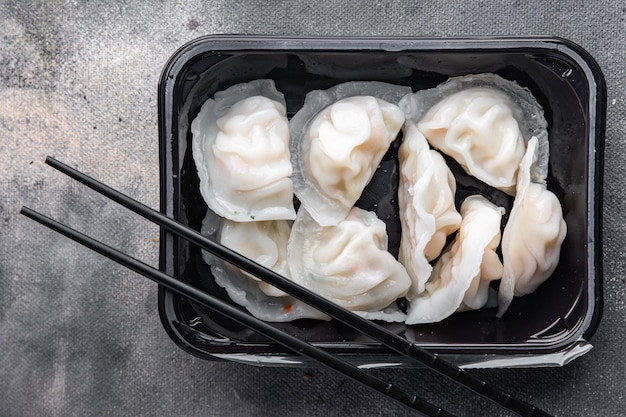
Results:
x,y
264,328
364,326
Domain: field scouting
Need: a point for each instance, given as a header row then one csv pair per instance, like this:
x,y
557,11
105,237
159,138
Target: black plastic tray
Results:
x,y
548,327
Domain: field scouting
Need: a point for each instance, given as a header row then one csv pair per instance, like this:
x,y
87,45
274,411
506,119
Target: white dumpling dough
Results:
x,y
346,142
465,264
349,264
241,151
266,243
426,202
477,128
531,243
339,138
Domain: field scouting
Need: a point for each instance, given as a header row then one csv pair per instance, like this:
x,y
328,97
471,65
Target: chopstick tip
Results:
x,y
25,211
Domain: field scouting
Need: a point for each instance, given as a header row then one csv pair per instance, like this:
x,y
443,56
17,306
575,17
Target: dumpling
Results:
x,y
338,139
477,128
349,264
479,294
469,263
241,151
266,243
531,243
426,202
483,122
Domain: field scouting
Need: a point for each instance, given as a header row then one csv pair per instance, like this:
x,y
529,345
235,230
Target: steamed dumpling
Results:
x,y
349,264
347,141
477,295
266,243
469,263
426,202
241,151
339,138
531,244
483,122
476,127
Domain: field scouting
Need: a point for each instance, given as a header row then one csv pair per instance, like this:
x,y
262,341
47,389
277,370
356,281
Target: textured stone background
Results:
x,y
80,335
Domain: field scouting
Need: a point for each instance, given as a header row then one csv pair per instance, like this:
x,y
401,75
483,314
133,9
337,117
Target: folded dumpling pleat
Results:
x,y
426,203
339,138
241,152
349,264
531,243
461,265
264,242
482,121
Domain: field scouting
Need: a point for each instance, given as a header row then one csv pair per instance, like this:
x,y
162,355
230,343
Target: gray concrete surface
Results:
x,y
80,336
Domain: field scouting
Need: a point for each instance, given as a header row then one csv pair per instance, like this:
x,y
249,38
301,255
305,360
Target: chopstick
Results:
x,y
291,342
364,326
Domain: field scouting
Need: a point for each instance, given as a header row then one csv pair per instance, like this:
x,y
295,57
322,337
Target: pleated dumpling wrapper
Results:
x,y
482,121
241,151
469,259
339,138
264,242
349,264
426,201
531,243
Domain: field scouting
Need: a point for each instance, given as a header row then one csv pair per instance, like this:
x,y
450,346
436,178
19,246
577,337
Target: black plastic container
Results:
x,y
546,328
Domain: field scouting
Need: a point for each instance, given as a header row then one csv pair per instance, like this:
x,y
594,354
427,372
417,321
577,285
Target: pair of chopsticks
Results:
x,y
364,326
